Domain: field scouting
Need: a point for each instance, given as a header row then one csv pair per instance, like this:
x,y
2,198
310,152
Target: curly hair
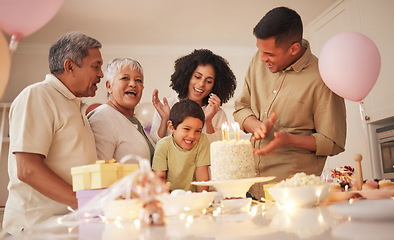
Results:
x,y
224,84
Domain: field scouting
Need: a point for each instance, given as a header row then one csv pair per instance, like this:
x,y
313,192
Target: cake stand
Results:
x,y
234,187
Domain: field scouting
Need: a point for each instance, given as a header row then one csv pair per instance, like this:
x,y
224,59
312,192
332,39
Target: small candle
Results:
x,y
227,132
223,129
238,130
235,130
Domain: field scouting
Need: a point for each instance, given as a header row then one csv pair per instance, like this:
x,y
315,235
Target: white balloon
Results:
x,y
144,112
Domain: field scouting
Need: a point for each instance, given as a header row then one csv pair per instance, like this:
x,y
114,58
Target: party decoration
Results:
x,y
92,107
133,197
20,18
144,112
5,64
349,64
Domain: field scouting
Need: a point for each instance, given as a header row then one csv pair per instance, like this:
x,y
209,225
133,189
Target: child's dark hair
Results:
x,y
185,108
224,84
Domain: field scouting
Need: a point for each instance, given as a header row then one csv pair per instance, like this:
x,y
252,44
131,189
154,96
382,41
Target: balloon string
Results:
x,y
362,114
15,39
364,123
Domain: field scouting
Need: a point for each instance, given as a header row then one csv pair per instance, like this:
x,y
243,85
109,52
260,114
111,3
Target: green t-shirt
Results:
x,y
179,163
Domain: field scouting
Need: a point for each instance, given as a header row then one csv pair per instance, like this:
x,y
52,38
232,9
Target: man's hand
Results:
x,y
281,139
287,139
32,170
264,128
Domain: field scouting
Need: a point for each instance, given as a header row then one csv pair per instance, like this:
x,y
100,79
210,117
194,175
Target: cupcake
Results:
x,y
370,185
385,183
336,187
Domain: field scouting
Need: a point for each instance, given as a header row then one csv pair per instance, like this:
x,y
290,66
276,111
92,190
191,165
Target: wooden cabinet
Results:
x,y
4,111
377,23
374,19
5,140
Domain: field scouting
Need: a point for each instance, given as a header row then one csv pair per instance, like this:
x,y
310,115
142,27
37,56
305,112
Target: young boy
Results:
x,y
183,157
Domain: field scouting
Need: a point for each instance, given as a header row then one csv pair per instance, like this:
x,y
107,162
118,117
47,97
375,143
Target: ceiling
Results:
x,y
168,22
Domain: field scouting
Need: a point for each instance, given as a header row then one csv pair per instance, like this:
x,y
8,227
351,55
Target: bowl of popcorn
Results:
x,y
301,190
179,201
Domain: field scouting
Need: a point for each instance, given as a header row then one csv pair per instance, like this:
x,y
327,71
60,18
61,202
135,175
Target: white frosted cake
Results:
x,y
232,160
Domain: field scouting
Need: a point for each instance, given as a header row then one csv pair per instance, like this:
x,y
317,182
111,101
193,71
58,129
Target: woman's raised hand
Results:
x,y
213,107
162,108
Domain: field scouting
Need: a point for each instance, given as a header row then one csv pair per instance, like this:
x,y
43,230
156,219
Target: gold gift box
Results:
x,y
99,175
81,178
267,195
103,174
126,169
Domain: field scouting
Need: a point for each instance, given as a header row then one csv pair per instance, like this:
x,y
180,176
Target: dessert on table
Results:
x,y
347,188
232,165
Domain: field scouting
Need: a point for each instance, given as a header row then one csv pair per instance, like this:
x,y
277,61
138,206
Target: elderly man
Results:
x,y
50,134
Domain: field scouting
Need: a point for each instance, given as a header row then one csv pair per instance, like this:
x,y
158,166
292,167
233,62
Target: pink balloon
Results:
x,y
349,64
21,18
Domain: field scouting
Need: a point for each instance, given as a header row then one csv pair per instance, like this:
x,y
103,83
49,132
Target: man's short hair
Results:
x,y
183,109
73,46
281,23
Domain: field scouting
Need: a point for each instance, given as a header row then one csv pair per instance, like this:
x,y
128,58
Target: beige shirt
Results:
x,y
179,163
116,136
304,106
47,119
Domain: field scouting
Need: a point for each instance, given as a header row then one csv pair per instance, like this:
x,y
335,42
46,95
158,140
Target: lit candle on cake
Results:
x,y
223,129
227,132
235,130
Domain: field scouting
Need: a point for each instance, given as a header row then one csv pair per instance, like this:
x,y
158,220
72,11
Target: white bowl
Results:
x,y
123,209
302,196
176,203
236,205
234,187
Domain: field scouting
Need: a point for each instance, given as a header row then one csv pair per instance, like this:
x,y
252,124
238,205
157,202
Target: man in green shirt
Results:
x,y
296,121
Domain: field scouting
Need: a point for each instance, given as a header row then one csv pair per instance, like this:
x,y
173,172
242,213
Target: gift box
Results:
x,y
81,178
126,169
267,195
99,175
84,196
103,174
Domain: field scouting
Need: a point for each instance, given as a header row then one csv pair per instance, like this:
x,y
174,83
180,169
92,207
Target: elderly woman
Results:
x,y
117,131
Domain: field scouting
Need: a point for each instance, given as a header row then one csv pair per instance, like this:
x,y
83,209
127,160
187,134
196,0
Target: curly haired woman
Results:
x,y
203,77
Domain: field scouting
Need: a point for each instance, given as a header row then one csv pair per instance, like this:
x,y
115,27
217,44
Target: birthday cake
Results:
x,y
232,160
